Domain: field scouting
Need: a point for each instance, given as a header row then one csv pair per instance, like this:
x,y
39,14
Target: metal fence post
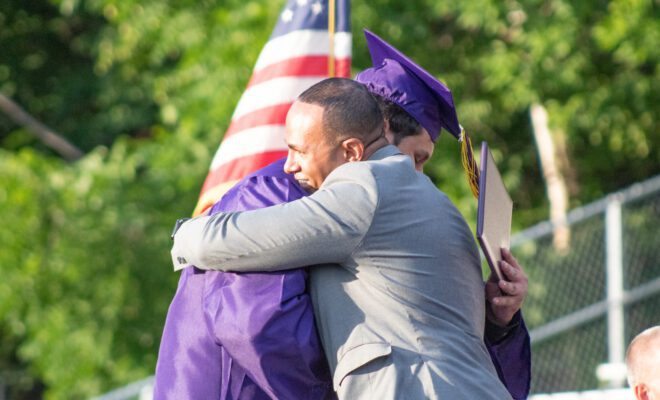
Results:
x,y
614,372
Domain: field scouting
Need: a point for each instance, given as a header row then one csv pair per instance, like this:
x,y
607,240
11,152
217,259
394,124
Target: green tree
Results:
x,y
85,264
48,66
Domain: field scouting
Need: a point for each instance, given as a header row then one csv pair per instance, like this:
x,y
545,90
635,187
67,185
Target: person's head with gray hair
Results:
x,y
643,362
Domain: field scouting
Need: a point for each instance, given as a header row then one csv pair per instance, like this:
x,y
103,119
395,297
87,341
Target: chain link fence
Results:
x,y
586,302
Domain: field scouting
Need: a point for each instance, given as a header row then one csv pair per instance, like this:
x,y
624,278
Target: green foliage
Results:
x,y
85,264
47,67
147,88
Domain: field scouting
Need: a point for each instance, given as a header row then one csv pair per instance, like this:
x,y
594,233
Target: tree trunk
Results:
x,y
554,181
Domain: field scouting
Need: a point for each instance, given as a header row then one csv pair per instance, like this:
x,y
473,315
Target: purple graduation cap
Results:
x,y
399,79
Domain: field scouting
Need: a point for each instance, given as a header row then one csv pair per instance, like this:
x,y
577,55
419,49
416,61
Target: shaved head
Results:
x,y
643,361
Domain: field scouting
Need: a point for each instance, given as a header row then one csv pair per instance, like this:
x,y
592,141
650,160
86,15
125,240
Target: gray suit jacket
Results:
x,y
402,314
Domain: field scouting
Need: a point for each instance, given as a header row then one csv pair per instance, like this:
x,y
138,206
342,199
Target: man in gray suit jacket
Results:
x,y
401,311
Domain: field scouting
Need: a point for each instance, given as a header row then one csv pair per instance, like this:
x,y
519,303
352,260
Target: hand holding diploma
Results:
x,y
505,297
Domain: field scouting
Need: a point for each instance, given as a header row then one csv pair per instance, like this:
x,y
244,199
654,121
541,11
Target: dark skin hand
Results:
x,y
506,296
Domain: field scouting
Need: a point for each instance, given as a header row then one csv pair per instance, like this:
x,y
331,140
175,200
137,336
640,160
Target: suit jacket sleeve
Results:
x,y
325,227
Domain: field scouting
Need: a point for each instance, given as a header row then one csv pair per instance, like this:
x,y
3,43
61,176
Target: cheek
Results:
x,y
409,153
305,167
338,158
407,149
323,166
309,165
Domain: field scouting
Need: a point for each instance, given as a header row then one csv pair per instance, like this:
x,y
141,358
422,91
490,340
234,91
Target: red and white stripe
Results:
x,y
287,65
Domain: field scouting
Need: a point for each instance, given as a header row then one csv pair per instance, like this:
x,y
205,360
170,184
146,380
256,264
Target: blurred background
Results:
x,y
566,93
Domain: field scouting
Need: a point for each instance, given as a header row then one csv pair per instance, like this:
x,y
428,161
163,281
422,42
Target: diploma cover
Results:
x,y
494,211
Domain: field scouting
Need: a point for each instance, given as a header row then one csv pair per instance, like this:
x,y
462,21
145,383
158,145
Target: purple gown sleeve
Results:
x,y
265,321
511,355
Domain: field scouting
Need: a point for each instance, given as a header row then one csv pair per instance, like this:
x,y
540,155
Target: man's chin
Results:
x,y
305,186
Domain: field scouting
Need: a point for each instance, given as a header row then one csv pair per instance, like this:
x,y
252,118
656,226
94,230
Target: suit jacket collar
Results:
x,y
384,152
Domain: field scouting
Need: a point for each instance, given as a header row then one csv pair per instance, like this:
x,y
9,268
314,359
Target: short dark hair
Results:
x,y
349,109
400,122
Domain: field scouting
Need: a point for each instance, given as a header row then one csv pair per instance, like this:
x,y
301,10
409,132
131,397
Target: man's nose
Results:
x,y
290,165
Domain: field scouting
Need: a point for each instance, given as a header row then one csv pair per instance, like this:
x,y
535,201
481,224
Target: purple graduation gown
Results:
x,y
253,336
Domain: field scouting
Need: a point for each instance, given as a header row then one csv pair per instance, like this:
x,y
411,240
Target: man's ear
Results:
x,y
386,127
353,149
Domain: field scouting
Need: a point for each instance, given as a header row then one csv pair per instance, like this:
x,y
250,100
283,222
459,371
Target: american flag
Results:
x,y
295,57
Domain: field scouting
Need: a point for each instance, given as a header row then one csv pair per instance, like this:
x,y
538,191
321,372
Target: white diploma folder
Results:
x,y
494,212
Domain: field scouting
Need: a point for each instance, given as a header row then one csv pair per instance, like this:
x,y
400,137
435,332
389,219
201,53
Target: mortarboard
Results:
x,y
400,80
397,78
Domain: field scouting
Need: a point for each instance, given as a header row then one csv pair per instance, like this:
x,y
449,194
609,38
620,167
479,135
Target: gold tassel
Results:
x,y
469,163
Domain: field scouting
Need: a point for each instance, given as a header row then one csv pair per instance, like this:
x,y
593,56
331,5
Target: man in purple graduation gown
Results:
x,y
263,320
252,336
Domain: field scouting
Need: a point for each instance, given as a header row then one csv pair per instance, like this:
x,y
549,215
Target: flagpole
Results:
x,y
331,34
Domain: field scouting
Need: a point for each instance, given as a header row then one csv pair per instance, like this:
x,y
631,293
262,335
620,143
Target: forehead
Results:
x,y
304,123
